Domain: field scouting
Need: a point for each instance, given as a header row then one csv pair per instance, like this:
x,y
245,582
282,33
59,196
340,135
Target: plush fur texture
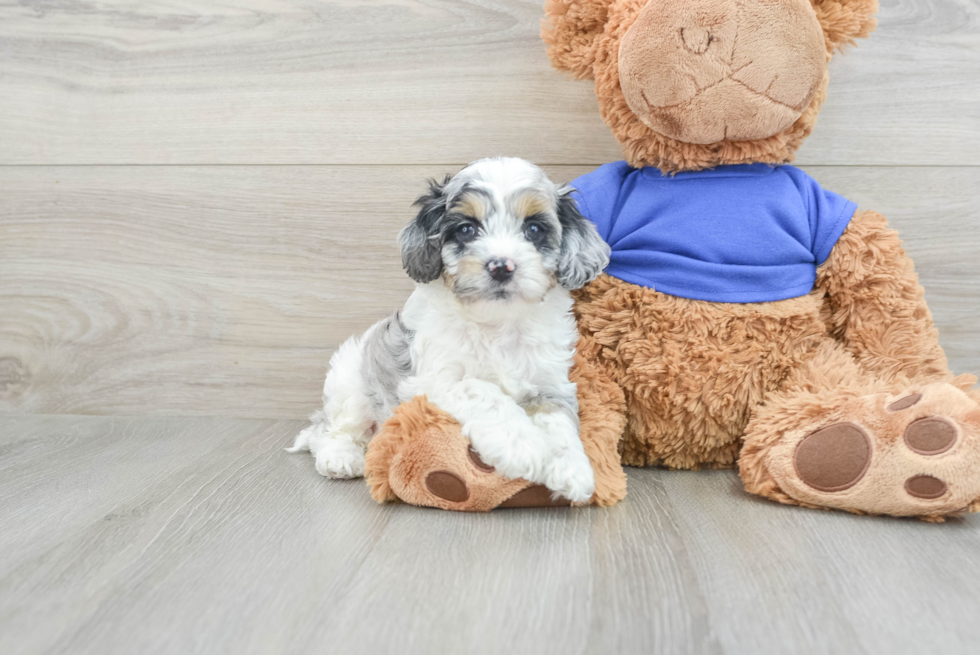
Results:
x,y
767,385
692,371
584,38
488,334
712,384
840,399
875,305
733,70
883,345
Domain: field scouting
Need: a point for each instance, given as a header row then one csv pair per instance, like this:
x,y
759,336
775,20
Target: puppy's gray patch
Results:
x,y
387,361
552,403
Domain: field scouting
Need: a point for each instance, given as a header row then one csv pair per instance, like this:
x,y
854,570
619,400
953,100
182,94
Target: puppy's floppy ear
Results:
x,y
583,252
421,240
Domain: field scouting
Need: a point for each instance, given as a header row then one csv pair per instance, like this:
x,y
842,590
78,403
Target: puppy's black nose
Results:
x,y
501,269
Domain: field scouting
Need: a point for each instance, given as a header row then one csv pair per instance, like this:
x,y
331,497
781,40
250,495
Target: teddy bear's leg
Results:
x,y
837,436
421,457
876,422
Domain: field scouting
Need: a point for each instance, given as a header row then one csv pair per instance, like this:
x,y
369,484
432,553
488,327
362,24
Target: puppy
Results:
x,y
488,334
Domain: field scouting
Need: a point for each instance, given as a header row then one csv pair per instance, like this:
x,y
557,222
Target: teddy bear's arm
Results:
x,y
570,29
876,305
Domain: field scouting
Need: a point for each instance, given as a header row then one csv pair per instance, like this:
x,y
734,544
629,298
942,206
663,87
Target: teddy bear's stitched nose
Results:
x,y
696,39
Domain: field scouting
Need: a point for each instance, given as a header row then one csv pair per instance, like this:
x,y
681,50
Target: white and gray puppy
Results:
x,y
488,334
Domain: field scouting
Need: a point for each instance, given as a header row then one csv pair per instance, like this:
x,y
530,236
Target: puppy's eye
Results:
x,y
466,232
534,231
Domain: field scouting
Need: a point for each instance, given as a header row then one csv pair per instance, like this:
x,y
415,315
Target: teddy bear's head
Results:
x,y
690,84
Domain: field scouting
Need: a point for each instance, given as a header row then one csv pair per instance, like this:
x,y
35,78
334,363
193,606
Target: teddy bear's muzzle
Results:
x,y
705,71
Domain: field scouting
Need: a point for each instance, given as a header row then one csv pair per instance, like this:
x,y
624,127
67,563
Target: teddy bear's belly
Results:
x,y
692,371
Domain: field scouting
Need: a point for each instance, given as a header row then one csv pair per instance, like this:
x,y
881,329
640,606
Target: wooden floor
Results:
x,y
200,535
199,201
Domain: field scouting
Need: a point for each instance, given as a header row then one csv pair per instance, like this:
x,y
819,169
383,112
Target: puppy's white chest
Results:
x,y
505,357
521,356
507,362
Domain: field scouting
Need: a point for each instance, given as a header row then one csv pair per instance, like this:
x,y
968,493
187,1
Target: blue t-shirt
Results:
x,y
743,233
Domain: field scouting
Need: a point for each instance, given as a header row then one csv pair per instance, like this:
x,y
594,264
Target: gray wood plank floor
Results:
x,y
200,535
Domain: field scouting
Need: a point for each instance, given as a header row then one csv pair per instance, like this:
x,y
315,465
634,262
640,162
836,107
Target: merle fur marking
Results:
x,y
583,252
421,240
387,361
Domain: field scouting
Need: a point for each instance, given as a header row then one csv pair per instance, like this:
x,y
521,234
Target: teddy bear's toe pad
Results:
x,y
477,462
905,403
915,454
930,436
925,486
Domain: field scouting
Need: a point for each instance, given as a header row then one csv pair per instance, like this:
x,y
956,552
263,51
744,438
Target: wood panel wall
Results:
x,y
199,202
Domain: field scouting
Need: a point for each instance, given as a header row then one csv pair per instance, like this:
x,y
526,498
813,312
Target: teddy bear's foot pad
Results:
x,y
448,486
453,488
537,495
915,454
834,458
421,457
837,457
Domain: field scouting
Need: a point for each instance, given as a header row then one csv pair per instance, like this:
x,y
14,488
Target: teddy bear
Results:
x,y
748,317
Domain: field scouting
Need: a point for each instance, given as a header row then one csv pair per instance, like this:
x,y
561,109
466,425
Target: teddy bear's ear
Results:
x,y
845,20
570,28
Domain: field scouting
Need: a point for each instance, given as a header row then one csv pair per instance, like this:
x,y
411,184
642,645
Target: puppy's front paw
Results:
x,y
340,459
570,475
512,455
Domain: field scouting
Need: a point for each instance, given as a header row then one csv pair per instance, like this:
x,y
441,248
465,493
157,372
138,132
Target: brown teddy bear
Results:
x,y
748,317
